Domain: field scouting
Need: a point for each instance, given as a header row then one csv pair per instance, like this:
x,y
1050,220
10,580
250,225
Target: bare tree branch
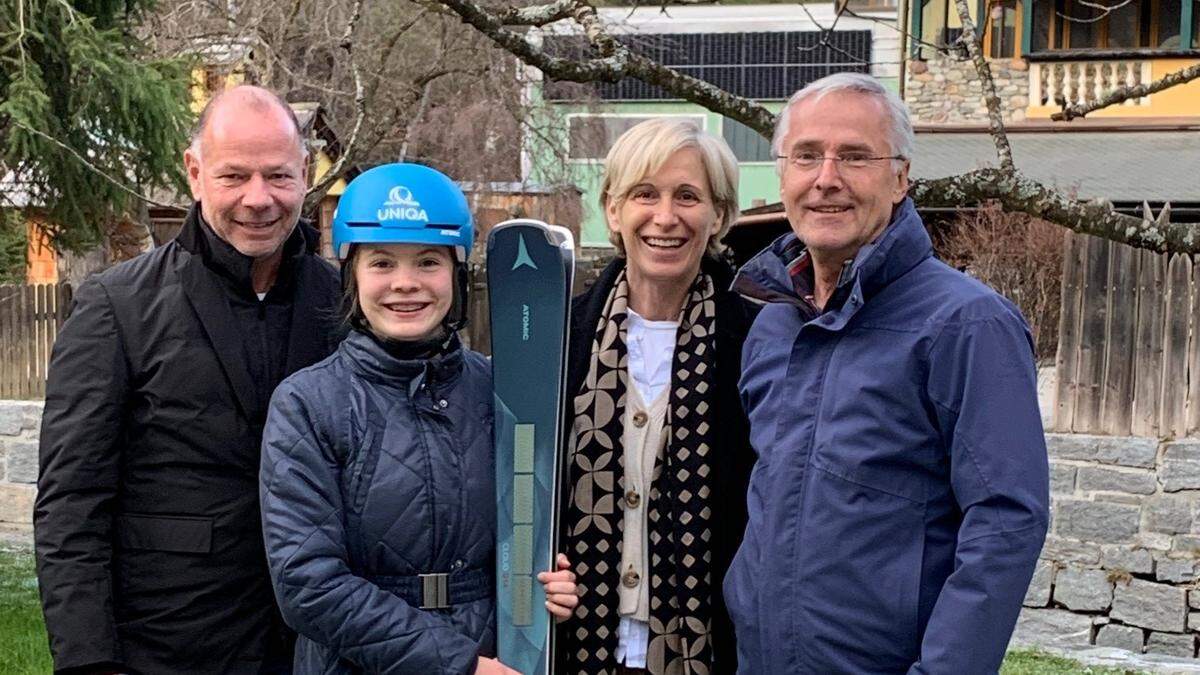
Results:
x,y
616,62
904,34
971,37
422,106
1016,193
537,15
1121,94
360,105
385,54
826,31
1105,10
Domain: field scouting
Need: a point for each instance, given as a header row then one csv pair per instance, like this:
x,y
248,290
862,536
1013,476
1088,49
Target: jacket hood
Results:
x,y
901,245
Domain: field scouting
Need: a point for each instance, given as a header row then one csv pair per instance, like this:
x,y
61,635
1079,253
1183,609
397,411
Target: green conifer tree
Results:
x,y
86,117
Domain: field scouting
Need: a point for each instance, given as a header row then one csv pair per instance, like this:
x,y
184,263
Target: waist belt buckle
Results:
x,y
435,591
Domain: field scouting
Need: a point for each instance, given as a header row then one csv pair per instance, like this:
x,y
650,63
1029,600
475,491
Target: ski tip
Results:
x,y
562,236
557,235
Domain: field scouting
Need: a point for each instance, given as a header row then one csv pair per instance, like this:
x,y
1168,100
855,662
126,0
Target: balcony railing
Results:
x,y
1080,82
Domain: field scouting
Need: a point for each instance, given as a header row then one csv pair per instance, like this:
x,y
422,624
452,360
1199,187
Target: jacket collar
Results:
x,y
901,246
375,363
310,338
198,237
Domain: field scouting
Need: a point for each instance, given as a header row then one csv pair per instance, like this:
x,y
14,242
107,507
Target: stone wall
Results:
x,y
945,90
1119,568
19,424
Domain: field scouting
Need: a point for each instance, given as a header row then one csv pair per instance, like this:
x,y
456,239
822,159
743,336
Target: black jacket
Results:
x,y
733,458
146,524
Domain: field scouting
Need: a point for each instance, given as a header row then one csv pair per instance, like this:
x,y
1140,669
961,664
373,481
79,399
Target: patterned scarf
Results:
x,y
678,512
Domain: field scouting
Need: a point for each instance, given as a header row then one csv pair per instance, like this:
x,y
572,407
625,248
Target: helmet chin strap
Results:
x,y
456,317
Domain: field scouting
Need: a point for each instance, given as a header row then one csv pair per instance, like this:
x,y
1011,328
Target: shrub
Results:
x,y
1018,255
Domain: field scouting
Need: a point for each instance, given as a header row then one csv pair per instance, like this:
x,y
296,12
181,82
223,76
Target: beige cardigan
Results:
x,y
643,439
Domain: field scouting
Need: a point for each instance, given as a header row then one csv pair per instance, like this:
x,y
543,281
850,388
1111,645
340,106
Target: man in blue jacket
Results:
x,y
899,501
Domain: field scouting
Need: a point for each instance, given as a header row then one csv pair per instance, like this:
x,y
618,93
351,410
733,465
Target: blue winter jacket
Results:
x,y
375,470
899,501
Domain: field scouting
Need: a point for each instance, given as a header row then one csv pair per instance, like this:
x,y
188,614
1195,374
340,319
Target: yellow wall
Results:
x,y
1178,101
201,94
324,164
936,12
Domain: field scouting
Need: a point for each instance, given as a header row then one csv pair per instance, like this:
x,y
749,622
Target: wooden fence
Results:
x,y
478,334
30,316
1128,353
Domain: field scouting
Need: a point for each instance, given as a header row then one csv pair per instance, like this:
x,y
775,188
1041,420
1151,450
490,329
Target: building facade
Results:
x,y
1047,53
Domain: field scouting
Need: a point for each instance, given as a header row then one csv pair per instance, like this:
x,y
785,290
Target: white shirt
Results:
x,y
651,351
651,346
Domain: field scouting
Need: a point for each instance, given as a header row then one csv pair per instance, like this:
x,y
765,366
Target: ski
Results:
x,y
530,270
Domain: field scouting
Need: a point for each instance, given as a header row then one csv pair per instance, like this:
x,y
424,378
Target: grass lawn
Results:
x,y
23,646
23,640
1040,663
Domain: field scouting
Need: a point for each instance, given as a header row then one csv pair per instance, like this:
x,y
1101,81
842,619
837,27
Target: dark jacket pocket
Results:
x,y
173,534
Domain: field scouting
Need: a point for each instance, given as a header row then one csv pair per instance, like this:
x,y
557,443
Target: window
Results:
x,y
866,5
1002,36
591,136
1043,19
747,144
940,24
1167,25
1105,24
1195,25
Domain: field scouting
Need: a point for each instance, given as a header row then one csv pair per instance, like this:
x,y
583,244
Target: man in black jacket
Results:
x,y
149,552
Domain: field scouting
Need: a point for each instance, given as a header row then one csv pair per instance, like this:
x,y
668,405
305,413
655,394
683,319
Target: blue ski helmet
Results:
x,y
403,204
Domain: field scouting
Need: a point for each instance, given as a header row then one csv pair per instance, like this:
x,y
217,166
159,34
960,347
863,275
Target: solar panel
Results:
x,y
764,65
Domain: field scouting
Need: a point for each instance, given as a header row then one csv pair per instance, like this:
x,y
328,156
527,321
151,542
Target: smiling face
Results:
x,y
248,173
404,290
665,220
834,209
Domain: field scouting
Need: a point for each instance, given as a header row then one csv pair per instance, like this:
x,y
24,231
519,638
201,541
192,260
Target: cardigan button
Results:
x,y
640,418
632,499
631,578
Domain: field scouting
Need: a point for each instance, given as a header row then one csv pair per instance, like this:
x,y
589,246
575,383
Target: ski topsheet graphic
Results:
x,y
530,268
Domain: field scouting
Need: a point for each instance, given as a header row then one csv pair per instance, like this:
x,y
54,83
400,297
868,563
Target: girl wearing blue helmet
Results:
x,y
377,481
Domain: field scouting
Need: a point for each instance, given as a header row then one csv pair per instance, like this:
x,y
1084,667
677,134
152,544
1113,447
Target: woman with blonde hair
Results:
x,y
659,452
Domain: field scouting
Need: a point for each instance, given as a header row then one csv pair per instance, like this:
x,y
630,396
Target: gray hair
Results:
x,y
902,140
257,98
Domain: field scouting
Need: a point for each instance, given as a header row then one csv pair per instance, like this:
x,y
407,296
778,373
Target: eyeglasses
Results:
x,y
807,161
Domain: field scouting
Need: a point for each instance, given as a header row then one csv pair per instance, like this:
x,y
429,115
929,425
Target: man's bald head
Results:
x,y
244,99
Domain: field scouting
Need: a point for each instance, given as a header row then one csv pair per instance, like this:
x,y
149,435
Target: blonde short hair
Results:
x,y
645,147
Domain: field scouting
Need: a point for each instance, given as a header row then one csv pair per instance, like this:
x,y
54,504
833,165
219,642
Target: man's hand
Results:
x,y
562,596
488,666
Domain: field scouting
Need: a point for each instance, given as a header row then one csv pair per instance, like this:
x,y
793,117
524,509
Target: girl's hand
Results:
x,y
561,594
487,666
